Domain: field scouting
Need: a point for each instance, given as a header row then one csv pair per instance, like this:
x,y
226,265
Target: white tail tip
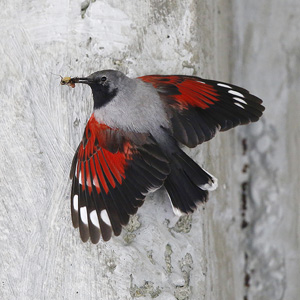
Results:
x,y
211,185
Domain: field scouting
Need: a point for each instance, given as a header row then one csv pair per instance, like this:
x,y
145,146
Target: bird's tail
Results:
x,y
187,184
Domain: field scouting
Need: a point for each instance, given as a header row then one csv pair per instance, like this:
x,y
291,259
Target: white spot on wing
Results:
x,y
240,100
104,217
236,93
94,218
224,85
80,182
83,215
75,202
240,105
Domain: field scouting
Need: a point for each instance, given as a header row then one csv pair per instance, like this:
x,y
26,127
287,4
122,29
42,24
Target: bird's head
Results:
x,y
105,85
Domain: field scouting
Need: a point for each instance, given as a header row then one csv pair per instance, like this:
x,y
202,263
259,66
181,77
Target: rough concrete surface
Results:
x,y
243,244
267,61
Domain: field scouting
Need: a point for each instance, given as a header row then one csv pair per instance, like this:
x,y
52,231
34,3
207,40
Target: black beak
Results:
x,y
81,80
71,81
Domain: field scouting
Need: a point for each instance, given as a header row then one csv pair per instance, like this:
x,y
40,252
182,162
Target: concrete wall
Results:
x,y
266,60
224,250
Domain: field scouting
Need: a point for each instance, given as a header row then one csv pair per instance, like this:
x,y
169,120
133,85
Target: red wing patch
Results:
x,y
184,90
106,166
110,179
200,107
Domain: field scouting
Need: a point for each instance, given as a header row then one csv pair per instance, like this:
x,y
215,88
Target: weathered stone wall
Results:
x,y
267,61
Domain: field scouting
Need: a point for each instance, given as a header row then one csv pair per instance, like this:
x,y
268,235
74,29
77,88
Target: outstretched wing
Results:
x,y
200,107
111,173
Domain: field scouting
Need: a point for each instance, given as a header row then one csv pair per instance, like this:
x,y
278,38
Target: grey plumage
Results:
x,y
136,107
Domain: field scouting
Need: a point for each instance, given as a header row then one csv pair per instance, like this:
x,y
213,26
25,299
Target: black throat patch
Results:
x,y
102,95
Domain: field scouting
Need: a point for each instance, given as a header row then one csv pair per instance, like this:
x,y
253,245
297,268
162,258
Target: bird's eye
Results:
x,y
103,78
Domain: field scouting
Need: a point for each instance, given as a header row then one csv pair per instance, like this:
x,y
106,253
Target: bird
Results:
x,y
133,144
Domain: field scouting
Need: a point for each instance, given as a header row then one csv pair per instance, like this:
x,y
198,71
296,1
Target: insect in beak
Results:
x,y
68,81
71,81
